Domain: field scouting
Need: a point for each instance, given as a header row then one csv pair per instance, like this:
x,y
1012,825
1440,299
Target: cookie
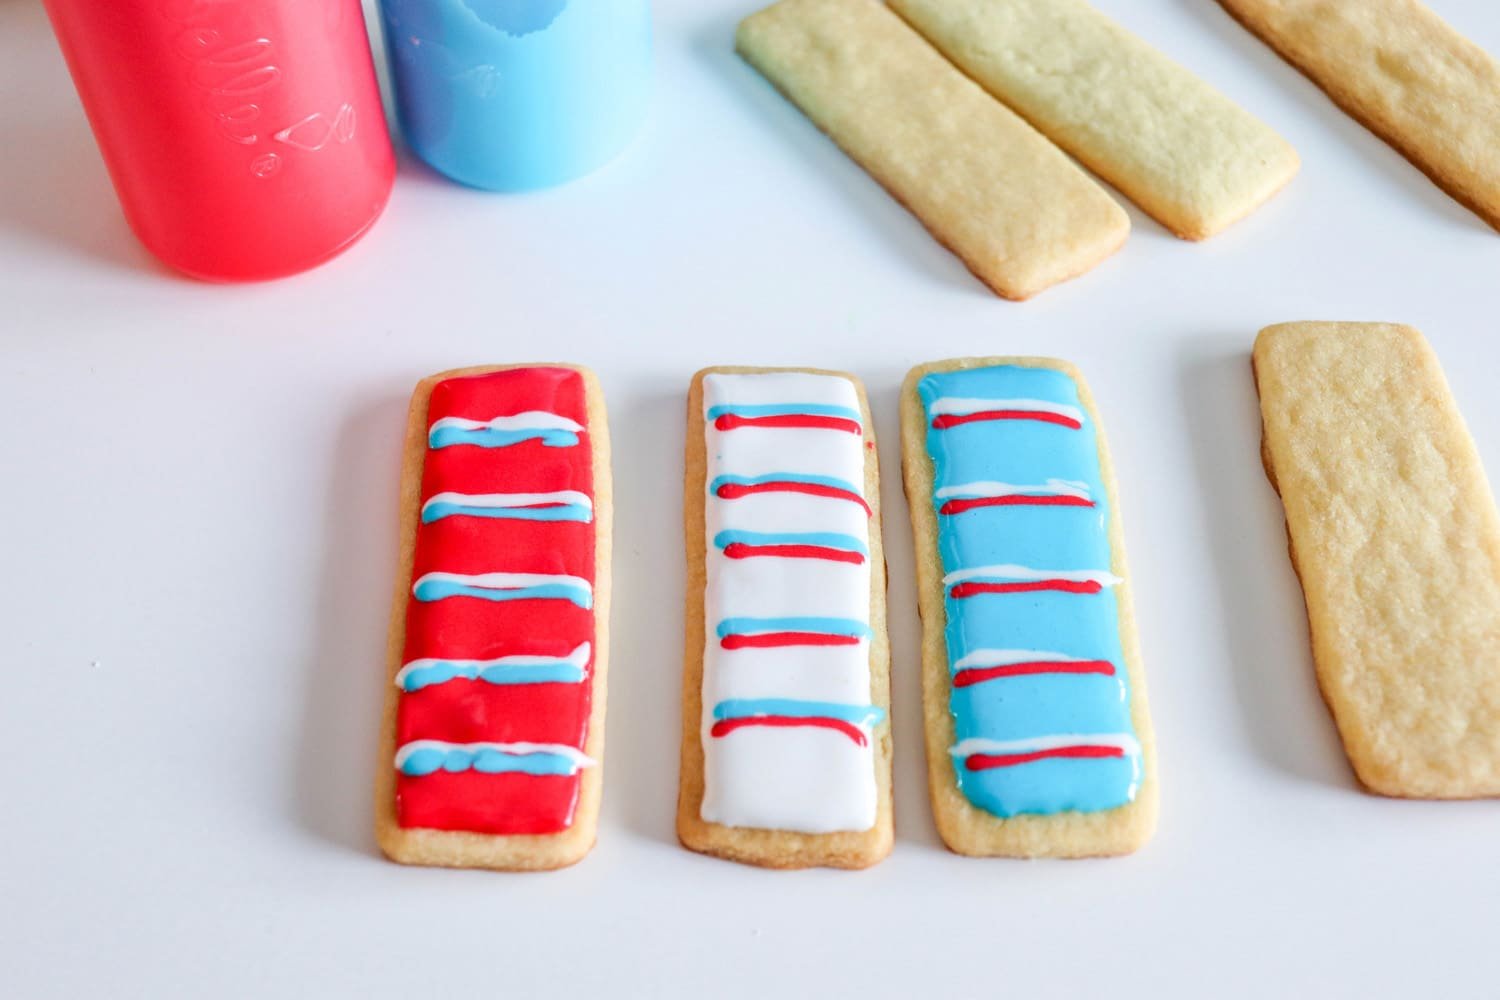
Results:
x,y
786,739
1039,740
1018,212
1396,539
1403,73
1186,154
492,742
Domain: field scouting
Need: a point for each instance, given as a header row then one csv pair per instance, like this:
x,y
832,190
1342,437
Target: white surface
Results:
x,y
200,541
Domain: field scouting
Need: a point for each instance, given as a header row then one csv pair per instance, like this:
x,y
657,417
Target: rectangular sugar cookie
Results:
x,y
786,740
1039,740
493,736
1188,155
1396,539
1018,212
1403,73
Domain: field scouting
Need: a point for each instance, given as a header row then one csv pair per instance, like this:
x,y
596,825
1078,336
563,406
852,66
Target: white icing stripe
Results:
x,y
1053,487
578,658
1006,657
806,779
531,420
771,388
499,501
1010,572
577,756
974,745
960,406
504,581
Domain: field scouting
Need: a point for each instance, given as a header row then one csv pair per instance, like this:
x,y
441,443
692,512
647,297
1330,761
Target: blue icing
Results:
x,y
490,437
1026,452
822,539
783,410
1053,785
1037,705
829,626
740,708
1039,537
569,512
456,760
437,590
443,671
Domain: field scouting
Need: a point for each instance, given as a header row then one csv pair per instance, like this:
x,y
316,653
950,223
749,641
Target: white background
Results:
x,y
199,542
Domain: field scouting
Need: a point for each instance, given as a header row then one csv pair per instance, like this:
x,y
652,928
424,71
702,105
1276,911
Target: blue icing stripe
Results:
x,y
783,410
827,626
437,590
742,708
821,539
443,671
456,760
1082,625
490,437
559,512
784,477
1053,785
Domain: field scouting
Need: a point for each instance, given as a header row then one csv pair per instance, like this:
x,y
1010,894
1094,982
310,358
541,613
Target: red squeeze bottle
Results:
x,y
245,138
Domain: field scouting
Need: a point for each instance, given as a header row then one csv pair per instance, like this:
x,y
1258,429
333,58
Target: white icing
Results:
x,y
807,779
578,757
531,420
772,388
1053,487
828,673
763,451
1011,572
802,778
501,501
959,406
1120,741
1006,657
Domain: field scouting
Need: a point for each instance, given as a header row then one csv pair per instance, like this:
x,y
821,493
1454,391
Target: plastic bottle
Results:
x,y
245,138
512,95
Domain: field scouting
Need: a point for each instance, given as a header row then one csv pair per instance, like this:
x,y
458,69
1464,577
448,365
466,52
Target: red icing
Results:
x,y
978,675
739,550
726,726
733,491
729,421
462,711
1014,500
775,640
947,420
986,761
1066,586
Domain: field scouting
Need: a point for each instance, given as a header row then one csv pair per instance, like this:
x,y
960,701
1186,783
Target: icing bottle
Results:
x,y
513,95
245,138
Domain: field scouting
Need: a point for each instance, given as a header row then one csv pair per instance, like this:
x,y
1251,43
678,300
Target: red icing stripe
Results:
x,y
734,491
739,550
730,421
978,675
970,589
776,640
1014,500
946,420
470,628
726,726
985,761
